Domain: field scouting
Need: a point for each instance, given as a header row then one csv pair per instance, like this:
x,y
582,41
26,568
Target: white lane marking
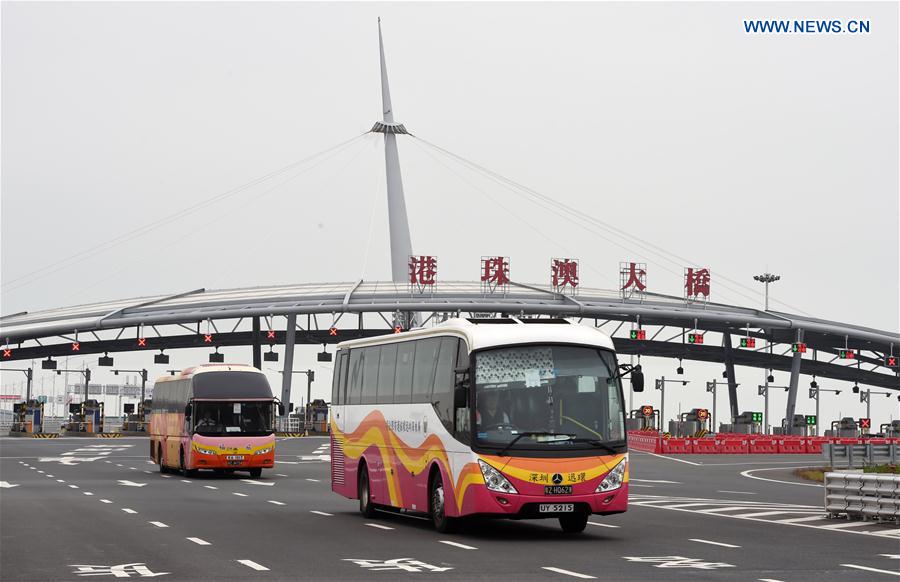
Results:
x,y
133,468
603,524
682,505
724,545
568,572
118,465
721,509
158,524
670,458
630,479
280,475
199,542
275,502
255,482
210,487
239,494
802,519
321,513
378,525
7,485
40,471
457,545
105,501
846,525
148,472
74,486
890,556
185,481
313,480
749,476
126,510
88,493
639,485
871,569
166,476
60,481
49,475
252,564
763,513
769,580
738,492
130,483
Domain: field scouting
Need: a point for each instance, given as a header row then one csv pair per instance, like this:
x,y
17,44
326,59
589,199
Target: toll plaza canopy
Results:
x,y
256,316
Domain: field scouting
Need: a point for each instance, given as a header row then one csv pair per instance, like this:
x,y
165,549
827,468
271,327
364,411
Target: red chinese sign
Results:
x,y
494,273
422,272
564,273
696,283
632,278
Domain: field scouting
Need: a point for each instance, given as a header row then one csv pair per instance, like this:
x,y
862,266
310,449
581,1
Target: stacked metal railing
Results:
x,y
866,496
860,455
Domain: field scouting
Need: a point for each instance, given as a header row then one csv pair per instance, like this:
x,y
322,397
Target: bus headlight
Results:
x,y
205,451
494,480
263,451
613,479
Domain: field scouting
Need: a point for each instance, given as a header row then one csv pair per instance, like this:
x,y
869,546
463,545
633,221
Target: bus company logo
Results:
x,y
557,478
404,425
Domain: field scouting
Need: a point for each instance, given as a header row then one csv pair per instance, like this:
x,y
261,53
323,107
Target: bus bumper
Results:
x,y
518,506
266,461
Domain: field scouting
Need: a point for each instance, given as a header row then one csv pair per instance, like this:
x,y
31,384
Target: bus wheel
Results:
x,y
574,523
442,523
159,457
366,507
184,470
255,473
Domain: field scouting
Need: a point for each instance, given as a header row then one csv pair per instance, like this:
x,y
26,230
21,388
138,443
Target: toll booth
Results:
x,y
86,417
798,426
744,423
845,427
135,420
643,418
317,415
690,424
28,417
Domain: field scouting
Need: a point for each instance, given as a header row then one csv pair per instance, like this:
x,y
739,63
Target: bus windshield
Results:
x,y
233,418
547,397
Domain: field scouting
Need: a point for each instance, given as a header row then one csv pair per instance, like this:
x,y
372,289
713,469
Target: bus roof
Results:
x,y
493,332
203,368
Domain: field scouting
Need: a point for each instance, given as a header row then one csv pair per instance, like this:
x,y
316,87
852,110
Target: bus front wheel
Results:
x,y
366,507
574,523
159,457
184,470
255,473
438,506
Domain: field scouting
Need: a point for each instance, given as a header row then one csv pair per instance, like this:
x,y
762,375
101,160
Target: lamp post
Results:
x,y
661,386
866,396
29,376
143,373
766,278
814,392
310,376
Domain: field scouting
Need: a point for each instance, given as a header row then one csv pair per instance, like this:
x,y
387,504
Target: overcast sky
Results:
x,y
739,152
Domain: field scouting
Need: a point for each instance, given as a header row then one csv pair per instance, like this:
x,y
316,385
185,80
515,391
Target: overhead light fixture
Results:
x,y
216,358
270,356
814,384
724,373
160,358
48,364
680,370
323,356
855,388
770,378
105,360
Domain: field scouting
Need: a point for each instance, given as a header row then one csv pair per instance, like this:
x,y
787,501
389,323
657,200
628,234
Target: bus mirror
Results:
x,y
460,397
187,412
637,380
281,409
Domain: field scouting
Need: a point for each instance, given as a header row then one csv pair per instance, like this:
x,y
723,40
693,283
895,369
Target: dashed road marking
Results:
x,y
313,480
185,481
724,545
148,472
801,519
105,501
126,510
252,564
568,572
602,524
60,480
199,542
210,487
326,514
73,486
737,492
280,475
892,573
379,526
769,580
239,494
158,524
275,502
88,493
457,545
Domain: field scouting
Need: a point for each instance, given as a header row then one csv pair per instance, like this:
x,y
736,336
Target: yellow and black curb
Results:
x,y
45,435
108,435
289,434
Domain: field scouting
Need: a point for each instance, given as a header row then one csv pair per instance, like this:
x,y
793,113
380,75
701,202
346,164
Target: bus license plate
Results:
x,y
234,458
557,489
556,507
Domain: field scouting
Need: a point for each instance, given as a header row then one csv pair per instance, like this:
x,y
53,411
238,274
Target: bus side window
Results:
x,y
370,375
463,415
423,372
337,382
442,396
406,354
354,390
387,371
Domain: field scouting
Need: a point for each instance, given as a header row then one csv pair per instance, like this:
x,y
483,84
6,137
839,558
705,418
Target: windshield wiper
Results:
x,y
532,434
594,442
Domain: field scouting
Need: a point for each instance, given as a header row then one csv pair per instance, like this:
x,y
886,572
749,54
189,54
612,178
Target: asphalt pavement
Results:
x,y
75,509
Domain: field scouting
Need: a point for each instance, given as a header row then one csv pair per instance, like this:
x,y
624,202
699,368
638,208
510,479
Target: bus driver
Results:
x,y
489,413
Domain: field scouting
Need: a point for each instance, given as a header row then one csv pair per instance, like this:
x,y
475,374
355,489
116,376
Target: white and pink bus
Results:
x,y
505,417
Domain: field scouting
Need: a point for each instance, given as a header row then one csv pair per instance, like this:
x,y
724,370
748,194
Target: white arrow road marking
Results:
x,y
130,483
255,482
7,485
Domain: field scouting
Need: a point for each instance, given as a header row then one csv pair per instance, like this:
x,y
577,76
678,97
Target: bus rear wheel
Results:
x,y
366,507
184,470
159,457
255,473
438,506
574,523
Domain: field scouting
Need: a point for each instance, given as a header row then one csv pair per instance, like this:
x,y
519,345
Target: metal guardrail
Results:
x,y
858,456
863,496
